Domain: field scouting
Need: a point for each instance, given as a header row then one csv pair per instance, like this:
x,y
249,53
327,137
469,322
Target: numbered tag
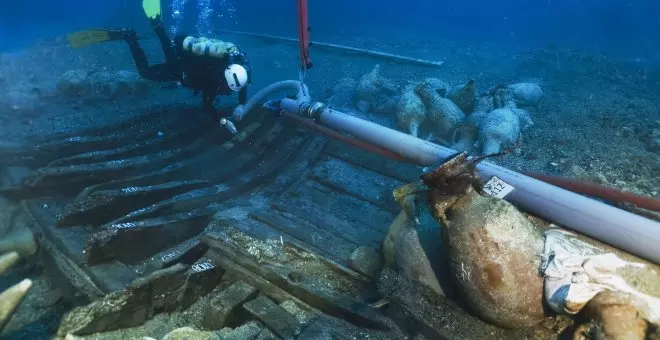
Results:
x,y
170,256
124,225
204,266
497,187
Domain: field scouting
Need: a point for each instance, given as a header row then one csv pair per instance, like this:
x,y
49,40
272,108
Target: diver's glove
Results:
x,y
228,125
238,113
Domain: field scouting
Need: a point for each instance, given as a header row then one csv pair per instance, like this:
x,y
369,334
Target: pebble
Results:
x,y
187,333
627,131
600,178
653,141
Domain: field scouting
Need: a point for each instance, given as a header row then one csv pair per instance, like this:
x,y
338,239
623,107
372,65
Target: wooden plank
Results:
x,y
260,231
336,248
70,242
262,173
273,316
346,207
314,290
195,167
297,170
112,276
224,306
186,252
106,205
404,172
132,242
357,181
317,216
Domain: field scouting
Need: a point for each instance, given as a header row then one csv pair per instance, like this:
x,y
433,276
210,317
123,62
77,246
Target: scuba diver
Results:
x,y
207,66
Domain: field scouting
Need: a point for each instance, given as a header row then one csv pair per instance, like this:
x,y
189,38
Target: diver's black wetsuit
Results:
x,y
203,74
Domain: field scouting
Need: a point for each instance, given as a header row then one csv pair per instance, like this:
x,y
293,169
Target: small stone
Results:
x,y
653,141
579,172
600,178
627,131
249,330
620,183
548,323
187,333
366,261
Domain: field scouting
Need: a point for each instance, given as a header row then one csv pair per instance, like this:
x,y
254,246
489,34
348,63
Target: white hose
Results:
x,y
632,233
302,93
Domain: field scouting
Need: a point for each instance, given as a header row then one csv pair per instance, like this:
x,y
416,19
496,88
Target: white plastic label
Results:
x,y
124,225
204,266
170,256
497,187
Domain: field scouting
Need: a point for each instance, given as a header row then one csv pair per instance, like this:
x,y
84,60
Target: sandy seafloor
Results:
x,y
594,122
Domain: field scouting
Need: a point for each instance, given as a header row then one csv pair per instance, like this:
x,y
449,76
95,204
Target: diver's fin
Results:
x,y
94,36
152,8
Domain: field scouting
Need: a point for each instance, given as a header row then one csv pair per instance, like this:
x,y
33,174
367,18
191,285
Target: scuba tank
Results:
x,y
209,47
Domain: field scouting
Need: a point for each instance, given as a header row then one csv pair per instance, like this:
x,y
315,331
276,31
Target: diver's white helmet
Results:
x,y
236,76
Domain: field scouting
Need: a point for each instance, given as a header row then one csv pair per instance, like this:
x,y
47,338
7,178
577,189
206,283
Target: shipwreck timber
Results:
x,y
154,213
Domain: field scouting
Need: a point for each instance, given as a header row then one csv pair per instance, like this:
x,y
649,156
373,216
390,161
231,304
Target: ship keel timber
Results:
x,y
149,215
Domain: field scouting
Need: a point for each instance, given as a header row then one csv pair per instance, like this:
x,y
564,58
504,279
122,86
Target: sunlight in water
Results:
x,y
211,13
177,8
204,24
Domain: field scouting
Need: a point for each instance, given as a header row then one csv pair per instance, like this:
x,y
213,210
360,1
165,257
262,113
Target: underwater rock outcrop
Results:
x,y
118,84
102,84
410,111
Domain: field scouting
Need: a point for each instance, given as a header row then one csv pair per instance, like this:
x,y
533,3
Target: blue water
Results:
x,y
622,29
